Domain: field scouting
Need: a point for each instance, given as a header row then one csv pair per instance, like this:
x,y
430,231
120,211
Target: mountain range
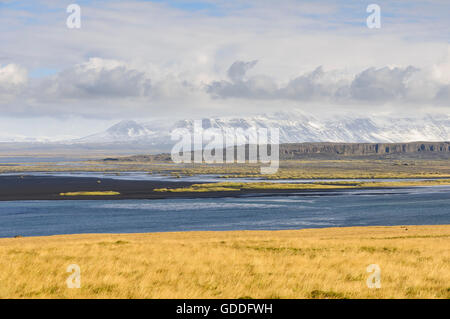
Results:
x,y
293,127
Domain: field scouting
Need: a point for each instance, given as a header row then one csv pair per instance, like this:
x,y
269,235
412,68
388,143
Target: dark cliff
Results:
x,y
293,151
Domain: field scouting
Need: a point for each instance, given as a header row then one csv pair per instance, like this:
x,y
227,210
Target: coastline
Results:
x,y
28,187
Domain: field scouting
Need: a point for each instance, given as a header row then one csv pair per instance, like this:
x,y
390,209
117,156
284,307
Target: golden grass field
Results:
x,y
230,186
310,263
289,169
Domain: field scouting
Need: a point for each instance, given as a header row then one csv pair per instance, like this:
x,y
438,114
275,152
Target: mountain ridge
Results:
x,y
153,137
293,128
327,150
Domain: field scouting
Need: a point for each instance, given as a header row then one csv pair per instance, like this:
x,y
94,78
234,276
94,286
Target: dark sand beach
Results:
x,y
23,187
26,187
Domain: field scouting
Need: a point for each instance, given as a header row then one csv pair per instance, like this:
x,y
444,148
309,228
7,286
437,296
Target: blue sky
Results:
x,y
42,72
348,9
140,59
208,8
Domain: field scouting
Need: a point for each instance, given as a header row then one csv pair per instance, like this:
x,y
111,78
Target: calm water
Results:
x,y
418,206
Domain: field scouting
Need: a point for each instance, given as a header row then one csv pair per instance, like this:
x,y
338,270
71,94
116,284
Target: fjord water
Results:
x,y
413,206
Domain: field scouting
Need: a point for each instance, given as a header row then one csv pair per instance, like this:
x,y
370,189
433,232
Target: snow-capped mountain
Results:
x,y
121,132
293,128
10,138
153,133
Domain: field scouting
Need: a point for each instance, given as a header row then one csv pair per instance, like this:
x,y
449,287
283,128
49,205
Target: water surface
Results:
x,y
414,206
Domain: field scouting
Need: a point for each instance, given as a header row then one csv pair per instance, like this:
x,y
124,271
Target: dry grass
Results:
x,y
321,263
289,169
230,186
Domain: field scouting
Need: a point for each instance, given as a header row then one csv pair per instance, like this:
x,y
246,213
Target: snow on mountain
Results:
x,y
293,128
427,128
11,138
121,132
153,133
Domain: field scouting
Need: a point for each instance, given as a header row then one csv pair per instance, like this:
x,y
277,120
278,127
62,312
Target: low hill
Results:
x,y
292,151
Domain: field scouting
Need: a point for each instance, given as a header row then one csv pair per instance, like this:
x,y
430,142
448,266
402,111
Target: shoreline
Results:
x,y
26,187
222,232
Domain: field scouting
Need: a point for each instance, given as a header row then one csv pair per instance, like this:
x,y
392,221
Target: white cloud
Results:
x,y
372,86
381,85
12,78
441,71
96,78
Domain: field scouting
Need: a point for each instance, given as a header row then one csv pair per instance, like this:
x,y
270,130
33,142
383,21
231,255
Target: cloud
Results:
x,y
317,84
443,96
238,86
370,86
12,78
238,69
166,60
381,85
97,88
112,88
96,78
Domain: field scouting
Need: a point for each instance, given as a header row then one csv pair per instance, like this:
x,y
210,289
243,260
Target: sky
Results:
x,y
181,59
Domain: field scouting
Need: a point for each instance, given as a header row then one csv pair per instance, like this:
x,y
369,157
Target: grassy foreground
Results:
x,y
310,263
